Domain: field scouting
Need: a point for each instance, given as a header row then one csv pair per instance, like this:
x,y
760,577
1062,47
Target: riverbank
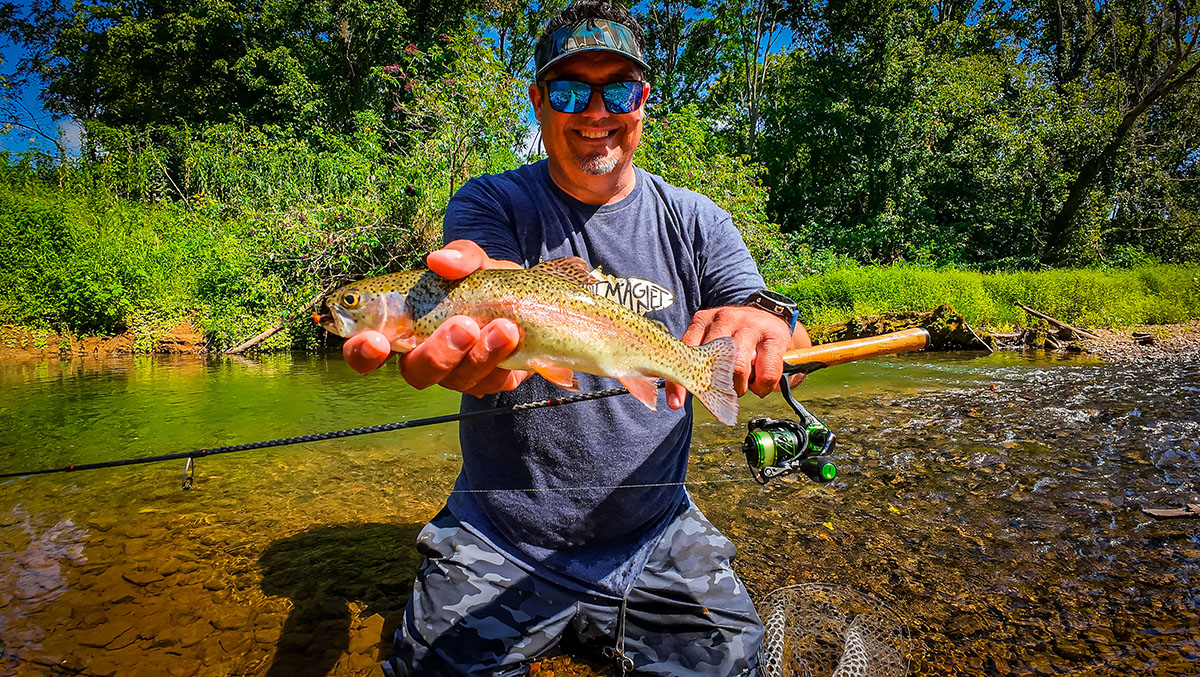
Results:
x,y
1164,342
1180,341
23,343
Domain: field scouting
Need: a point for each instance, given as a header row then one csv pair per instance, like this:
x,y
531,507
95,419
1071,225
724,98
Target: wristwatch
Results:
x,y
775,303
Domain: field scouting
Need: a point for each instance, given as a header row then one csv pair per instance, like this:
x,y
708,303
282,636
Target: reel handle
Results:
x,y
808,360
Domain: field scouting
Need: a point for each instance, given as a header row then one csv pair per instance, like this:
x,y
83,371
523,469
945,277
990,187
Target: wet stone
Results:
x,y
142,577
102,666
235,644
366,638
150,627
101,635
266,635
169,568
1072,649
235,619
187,566
356,664
101,523
123,640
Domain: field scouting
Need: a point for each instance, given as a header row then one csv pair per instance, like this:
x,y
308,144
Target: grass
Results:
x,y
88,262
1107,297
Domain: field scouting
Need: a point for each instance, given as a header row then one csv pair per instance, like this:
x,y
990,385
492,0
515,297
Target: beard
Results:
x,y
598,165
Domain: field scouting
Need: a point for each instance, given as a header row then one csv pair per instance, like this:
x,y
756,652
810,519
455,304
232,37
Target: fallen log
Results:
x,y
947,329
1057,323
278,326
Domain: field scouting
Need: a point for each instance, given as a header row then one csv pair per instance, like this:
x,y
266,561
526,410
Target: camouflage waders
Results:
x,y
474,612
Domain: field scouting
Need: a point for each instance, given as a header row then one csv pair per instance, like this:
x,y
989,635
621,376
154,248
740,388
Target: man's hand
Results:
x,y
459,355
762,339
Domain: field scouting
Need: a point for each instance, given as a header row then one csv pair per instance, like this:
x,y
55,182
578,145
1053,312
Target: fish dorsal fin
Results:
x,y
568,269
663,327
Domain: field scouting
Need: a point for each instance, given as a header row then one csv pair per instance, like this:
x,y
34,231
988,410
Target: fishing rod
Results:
x,y
800,361
778,447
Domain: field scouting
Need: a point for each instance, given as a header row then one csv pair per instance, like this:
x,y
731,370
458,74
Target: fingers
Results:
x,y
768,366
460,258
761,340
478,371
461,356
457,259
746,340
499,381
676,395
434,358
366,351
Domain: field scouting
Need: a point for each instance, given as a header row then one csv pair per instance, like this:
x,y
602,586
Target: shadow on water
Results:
x,y
325,569
995,503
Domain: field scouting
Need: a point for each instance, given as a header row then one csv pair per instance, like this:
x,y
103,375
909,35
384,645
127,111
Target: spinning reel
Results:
x,y
777,447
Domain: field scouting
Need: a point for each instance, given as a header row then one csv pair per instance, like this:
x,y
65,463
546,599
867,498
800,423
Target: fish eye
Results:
x,y
350,300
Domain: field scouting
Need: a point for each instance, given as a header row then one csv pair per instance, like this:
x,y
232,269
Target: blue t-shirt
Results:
x,y
579,493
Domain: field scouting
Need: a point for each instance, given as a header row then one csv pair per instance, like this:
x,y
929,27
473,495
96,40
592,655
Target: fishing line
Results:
x,y
190,456
801,361
594,487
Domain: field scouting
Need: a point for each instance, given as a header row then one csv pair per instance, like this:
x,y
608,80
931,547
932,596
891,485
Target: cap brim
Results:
x,y
567,55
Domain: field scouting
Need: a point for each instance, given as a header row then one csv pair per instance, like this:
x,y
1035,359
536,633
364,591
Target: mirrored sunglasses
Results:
x,y
572,96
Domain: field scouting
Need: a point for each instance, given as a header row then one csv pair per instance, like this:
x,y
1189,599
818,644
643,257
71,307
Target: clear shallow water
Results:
x,y
994,502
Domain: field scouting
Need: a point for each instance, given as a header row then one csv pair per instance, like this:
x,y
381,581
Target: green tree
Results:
x,y
1137,61
123,62
517,25
683,43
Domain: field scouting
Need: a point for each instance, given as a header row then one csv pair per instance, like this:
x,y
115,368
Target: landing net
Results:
x,y
820,630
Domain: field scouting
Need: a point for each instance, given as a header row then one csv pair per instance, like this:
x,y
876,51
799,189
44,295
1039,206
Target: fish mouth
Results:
x,y
333,320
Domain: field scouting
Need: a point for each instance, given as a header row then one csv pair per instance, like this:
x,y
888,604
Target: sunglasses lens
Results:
x,y
568,96
623,97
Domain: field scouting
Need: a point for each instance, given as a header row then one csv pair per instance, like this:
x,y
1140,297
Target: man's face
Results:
x,y
593,142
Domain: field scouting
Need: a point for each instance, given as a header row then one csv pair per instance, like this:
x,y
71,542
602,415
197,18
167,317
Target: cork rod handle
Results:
x,y
808,360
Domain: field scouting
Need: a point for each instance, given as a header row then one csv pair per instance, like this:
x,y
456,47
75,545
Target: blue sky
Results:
x,y
30,112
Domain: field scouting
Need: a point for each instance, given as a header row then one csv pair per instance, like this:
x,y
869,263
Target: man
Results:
x,y
576,518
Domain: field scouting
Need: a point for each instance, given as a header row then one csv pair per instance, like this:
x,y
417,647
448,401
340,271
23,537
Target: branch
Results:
x,y
29,128
1057,323
246,345
1149,229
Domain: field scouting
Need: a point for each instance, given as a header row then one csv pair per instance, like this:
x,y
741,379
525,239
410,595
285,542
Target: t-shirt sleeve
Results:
x,y
728,273
481,213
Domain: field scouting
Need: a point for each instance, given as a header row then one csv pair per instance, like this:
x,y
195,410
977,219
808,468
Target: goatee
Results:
x,y
598,164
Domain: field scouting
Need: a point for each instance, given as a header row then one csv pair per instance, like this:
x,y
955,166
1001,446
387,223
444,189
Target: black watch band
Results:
x,y
775,303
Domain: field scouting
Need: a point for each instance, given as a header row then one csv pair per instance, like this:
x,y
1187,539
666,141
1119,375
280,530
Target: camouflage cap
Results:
x,y
590,35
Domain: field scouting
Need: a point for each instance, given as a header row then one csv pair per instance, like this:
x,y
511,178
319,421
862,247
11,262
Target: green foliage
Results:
x,y
969,134
211,61
93,266
243,223
1157,294
682,149
241,157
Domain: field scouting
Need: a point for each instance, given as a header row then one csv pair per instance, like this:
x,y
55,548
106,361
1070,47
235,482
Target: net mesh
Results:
x,y
820,630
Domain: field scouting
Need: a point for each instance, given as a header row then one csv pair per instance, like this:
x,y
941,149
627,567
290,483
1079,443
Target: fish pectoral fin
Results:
x,y
404,344
642,387
559,376
568,269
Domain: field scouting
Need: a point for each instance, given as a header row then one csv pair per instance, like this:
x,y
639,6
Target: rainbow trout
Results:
x,y
564,327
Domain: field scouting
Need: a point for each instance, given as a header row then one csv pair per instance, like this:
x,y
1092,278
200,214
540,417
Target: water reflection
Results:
x,y
993,502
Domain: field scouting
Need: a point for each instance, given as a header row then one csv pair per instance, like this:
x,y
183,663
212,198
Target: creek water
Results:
x,y
993,502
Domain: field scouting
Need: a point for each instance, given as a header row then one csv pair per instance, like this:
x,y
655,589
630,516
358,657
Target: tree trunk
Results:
x,y
1061,229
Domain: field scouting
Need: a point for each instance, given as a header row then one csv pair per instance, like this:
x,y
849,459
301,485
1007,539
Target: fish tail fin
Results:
x,y
718,396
